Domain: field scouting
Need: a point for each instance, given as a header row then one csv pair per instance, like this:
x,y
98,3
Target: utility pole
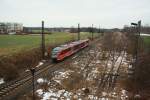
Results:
x,y
99,31
139,30
138,40
43,41
92,32
78,31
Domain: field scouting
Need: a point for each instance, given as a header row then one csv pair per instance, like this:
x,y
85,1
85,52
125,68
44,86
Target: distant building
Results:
x,y
6,28
32,30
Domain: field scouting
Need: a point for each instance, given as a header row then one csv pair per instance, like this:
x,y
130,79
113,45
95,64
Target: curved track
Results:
x,y
7,90
11,90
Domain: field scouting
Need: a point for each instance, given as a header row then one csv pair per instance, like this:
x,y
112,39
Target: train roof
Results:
x,y
66,46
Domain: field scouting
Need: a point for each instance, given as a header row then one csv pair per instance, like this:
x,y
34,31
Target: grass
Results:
x,y
19,52
10,44
147,43
146,40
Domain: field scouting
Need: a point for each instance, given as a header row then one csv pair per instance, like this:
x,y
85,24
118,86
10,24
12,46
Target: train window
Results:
x,y
77,47
82,44
65,51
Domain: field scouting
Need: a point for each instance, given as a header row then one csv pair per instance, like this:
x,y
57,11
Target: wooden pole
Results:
x,y
78,31
43,41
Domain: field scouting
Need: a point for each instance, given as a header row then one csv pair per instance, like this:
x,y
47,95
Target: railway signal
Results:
x,y
135,24
33,72
78,31
43,41
138,25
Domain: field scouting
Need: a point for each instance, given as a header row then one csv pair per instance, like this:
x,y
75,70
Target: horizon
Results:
x,y
67,13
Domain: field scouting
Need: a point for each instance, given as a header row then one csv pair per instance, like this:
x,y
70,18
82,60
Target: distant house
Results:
x,y
9,28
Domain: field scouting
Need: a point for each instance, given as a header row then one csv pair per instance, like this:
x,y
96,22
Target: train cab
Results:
x,y
55,53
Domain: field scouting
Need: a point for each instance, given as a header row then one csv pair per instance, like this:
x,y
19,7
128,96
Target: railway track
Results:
x,y
109,75
24,75
7,91
113,73
89,58
9,88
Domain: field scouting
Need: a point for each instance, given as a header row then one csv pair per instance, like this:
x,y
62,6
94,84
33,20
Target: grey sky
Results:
x,y
58,13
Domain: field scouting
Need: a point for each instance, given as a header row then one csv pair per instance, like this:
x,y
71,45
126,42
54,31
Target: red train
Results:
x,y
63,51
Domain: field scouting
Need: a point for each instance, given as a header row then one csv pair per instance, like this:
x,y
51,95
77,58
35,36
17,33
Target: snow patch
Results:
x,y
27,70
130,66
124,95
41,80
1,81
54,95
137,96
40,63
75,57
39,91
92,97
109,64
60,75
98,62
104,94
76,62
91,64
92,51
93,74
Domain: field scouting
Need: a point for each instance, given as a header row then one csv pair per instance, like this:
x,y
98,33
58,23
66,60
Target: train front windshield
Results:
x,y
55,52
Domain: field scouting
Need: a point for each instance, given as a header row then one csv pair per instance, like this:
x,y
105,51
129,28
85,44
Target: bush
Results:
x,y
12,66
8,71
139,82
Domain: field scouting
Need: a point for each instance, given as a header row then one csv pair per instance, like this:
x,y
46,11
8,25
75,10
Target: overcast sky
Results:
x,y
67,13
